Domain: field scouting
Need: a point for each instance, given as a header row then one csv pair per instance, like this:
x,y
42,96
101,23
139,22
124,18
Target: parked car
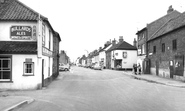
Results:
x,y
97,67
64,67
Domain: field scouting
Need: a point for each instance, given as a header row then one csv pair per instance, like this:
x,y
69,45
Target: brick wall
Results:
x,y
165,57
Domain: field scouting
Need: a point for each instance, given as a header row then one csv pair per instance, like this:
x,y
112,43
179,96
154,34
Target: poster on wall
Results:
x,y
21,32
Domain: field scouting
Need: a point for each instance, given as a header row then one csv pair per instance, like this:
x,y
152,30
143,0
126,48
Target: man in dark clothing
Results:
x,y
135,69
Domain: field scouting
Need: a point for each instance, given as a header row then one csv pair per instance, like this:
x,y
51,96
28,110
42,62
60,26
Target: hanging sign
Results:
x,y
21,32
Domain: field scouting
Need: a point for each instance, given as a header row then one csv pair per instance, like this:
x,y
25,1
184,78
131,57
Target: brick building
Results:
x,y
148,32
166,49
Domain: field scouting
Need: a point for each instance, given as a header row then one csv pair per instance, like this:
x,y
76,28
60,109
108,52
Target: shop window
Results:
x,y
5,68
28,69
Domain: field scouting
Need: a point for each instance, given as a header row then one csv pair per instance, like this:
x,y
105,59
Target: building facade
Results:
x,y
26,50
166,49
121,55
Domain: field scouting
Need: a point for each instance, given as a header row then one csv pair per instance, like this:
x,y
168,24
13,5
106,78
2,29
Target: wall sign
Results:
x,y
21,32
46,52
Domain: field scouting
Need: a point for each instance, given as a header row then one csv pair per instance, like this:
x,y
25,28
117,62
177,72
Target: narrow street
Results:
x,y
84,89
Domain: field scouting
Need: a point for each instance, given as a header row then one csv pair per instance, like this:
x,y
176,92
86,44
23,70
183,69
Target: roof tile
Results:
x,y
18,47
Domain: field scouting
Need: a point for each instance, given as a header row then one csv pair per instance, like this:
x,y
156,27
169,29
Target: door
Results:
x,y
42,72
157,67
171,66
179,65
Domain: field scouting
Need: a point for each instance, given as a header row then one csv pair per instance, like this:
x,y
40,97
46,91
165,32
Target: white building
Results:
x,y
26,47
102,54
121,55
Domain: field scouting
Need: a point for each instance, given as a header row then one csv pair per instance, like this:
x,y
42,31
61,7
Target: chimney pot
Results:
x,y
120,38
170,9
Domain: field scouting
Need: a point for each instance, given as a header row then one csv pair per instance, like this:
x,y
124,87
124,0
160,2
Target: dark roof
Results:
x,y
141,30
17,47
15,10
171,25
157,24
103,49
122,46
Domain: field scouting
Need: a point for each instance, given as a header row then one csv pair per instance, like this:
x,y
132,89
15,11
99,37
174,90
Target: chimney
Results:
x,y
114,42
135,43
120,39
170,9
100,48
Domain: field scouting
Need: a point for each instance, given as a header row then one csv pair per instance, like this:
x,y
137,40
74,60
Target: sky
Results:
x,y
85,25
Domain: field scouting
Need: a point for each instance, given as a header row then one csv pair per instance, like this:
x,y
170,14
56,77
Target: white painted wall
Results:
x,y
126,62
20,81
5,29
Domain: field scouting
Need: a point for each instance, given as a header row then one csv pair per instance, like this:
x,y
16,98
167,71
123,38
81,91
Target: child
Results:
x,y
135,69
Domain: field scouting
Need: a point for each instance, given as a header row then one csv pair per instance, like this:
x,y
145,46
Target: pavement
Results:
x,y
9,103
156,79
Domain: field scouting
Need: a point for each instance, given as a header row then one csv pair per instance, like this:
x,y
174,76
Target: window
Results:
x,y
163,47
5,68
28,68
143,49
50,40
43,34
154,49
124,54
174,44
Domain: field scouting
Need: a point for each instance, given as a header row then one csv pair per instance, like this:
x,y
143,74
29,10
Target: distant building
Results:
x,y
121,55
64,58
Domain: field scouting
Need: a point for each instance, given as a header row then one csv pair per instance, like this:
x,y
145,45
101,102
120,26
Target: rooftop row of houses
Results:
x,y
161,45
114,55
29,47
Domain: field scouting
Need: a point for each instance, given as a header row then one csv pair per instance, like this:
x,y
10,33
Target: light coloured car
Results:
x,y
97,67
64,67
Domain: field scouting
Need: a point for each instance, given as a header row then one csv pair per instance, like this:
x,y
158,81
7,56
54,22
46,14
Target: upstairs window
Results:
x,y
154,49
163,47
174,44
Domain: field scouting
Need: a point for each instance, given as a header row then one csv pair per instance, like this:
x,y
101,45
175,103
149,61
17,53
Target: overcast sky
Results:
x,y
88,24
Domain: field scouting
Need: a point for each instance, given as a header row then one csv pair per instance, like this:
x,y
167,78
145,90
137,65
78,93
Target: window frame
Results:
x,y
174,44
10,58
24,69
154,49
163,47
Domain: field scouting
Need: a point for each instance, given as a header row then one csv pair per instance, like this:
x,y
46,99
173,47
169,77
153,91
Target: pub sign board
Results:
x,y
21,32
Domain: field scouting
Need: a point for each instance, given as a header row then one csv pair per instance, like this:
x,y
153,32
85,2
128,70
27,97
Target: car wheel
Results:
x,y
66,69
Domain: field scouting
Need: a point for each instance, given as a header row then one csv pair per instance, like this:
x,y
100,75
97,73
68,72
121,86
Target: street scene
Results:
x,y
83,89
100,55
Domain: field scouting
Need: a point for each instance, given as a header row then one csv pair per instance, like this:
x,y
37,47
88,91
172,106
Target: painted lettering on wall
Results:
x,y
21,32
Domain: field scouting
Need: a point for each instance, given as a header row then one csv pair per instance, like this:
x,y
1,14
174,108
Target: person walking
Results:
x,y
139,68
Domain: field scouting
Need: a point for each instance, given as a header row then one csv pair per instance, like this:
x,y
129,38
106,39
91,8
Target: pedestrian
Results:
x,y
139,68
135,69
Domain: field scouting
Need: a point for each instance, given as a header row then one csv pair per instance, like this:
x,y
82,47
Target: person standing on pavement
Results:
x,y
139,68
135,69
